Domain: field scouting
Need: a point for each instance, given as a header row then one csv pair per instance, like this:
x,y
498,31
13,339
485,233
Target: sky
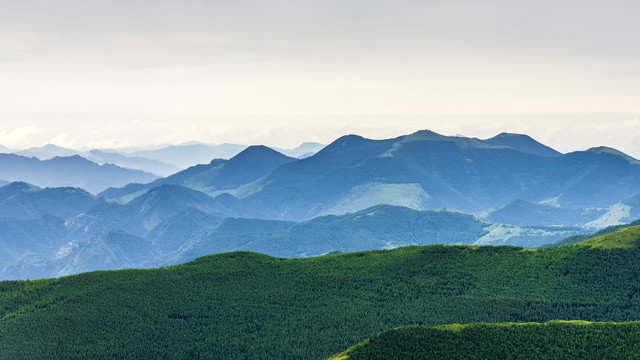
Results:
x,y
107,74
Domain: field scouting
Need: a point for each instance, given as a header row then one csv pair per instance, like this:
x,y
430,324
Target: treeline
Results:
x,y
249,306
552,340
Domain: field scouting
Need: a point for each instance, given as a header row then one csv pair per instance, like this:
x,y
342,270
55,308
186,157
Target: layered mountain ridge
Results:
x,y
71,171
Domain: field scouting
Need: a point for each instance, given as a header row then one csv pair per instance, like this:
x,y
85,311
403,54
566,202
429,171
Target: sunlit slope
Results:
x,y
624,238
249,306
577,340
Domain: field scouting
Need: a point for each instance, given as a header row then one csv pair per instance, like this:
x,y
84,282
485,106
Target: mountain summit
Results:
x,y
522,143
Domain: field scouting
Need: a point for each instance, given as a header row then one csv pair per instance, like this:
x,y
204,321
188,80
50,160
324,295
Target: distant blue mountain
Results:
x,y
378,227
145,212
114,249
172,224
524,213
249,165
35,239
73,171
50,151
187,155
426,170
155,167
47,152
184,156
423,170
20,200
304,150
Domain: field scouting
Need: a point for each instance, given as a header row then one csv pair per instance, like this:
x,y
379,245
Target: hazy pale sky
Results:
x,y
113,73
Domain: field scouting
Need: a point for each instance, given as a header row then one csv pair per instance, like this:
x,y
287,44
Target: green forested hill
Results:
x,y
552,340
249,306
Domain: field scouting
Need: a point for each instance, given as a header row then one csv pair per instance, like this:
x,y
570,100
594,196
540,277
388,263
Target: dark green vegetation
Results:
x,y
552,340
248,306
624,238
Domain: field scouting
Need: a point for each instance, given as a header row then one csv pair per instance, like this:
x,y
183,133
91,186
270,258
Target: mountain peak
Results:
x,y
19,186
68,159
345,142
258,153
348,139
612,151
427,135
522,143
54,147
508,134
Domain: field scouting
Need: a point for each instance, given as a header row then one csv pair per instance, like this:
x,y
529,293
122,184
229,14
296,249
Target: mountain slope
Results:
x,y
524,213
147,210
552,340
624,238
249,165
379,227
22,239
20,200
47,152
247,306
182,224
426,170
582,237
114,249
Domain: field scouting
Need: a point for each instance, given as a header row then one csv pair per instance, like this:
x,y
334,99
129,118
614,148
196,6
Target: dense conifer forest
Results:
x,y
552,340
249,306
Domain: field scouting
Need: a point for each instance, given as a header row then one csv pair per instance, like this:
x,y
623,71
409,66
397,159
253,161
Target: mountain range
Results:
x,y
354,194
72,171
162,161
425,171
170,224
215,177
